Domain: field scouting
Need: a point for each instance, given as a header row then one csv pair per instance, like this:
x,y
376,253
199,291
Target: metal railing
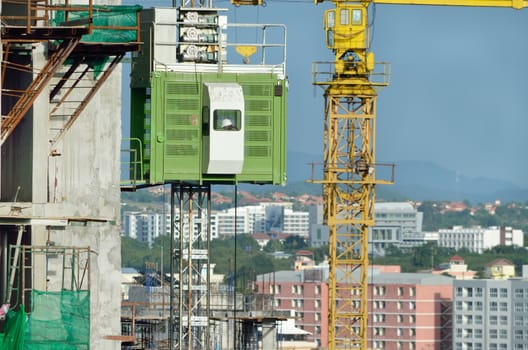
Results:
x,y
38,13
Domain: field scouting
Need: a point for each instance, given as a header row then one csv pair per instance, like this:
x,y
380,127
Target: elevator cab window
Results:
x,y
227,119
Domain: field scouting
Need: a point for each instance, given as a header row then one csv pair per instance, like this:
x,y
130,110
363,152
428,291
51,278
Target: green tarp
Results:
x,y
57,321
13,336
116,19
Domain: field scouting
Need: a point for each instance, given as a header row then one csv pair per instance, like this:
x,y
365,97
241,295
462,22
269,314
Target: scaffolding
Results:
x,y
80,39
59,315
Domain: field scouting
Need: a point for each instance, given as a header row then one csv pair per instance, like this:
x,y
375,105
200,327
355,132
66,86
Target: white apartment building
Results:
x,y
143,226
490,314
478,239
147,226
265,217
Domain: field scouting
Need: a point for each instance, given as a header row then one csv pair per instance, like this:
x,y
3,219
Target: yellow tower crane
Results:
x,y
350,85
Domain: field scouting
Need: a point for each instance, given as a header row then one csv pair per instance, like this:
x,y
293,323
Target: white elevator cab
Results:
x,y
223,128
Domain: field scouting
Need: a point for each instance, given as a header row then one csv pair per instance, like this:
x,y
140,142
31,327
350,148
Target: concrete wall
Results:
x,y
84,181
81,182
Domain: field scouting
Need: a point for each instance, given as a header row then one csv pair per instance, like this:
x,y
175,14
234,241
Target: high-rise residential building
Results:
x,y
303,292
262,218
490,314
477,239
406,310
409,311
144,226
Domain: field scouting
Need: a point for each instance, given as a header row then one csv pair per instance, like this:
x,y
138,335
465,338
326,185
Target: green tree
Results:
x,y
273,245
134,253
294,243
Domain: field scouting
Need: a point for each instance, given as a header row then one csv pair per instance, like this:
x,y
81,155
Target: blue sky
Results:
x,y
459,85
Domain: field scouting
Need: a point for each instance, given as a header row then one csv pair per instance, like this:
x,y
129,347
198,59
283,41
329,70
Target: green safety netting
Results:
x,y
13,336
120,23
58,321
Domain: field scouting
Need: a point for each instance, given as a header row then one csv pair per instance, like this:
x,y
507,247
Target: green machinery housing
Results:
x,y
190,81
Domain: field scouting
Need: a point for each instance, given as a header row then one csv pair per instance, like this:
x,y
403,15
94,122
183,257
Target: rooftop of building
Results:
x,y
394,206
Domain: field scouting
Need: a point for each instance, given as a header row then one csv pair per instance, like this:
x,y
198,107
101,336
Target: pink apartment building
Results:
x,y
306,293
406,310
410,311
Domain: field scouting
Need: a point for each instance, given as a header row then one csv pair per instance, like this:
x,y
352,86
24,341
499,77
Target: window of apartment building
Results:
x,y
277,302
317,329
478,319
317,303
468,333
518,321
458,319
300,302
478,305
317,316
468,319
379,290
400,318
493,292
379,317
400,291
468,305
412,319
459,291
412,305
478,292
493,346
493,334
503,292
518,334
317,290
503,333
299,315
503,306
379,344
412,332
399,332
379,304
503,320
379,331
458,306
412,291
412,346
275,289
493,319
458,346
493,306
503,346
518,307
399,305
525,307
478,333
459,332
399,345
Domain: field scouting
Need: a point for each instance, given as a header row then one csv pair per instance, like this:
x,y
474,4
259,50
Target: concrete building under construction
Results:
x,y
60,169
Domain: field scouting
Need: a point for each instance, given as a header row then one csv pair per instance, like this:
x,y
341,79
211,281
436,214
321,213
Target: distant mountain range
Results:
x,y
415,180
